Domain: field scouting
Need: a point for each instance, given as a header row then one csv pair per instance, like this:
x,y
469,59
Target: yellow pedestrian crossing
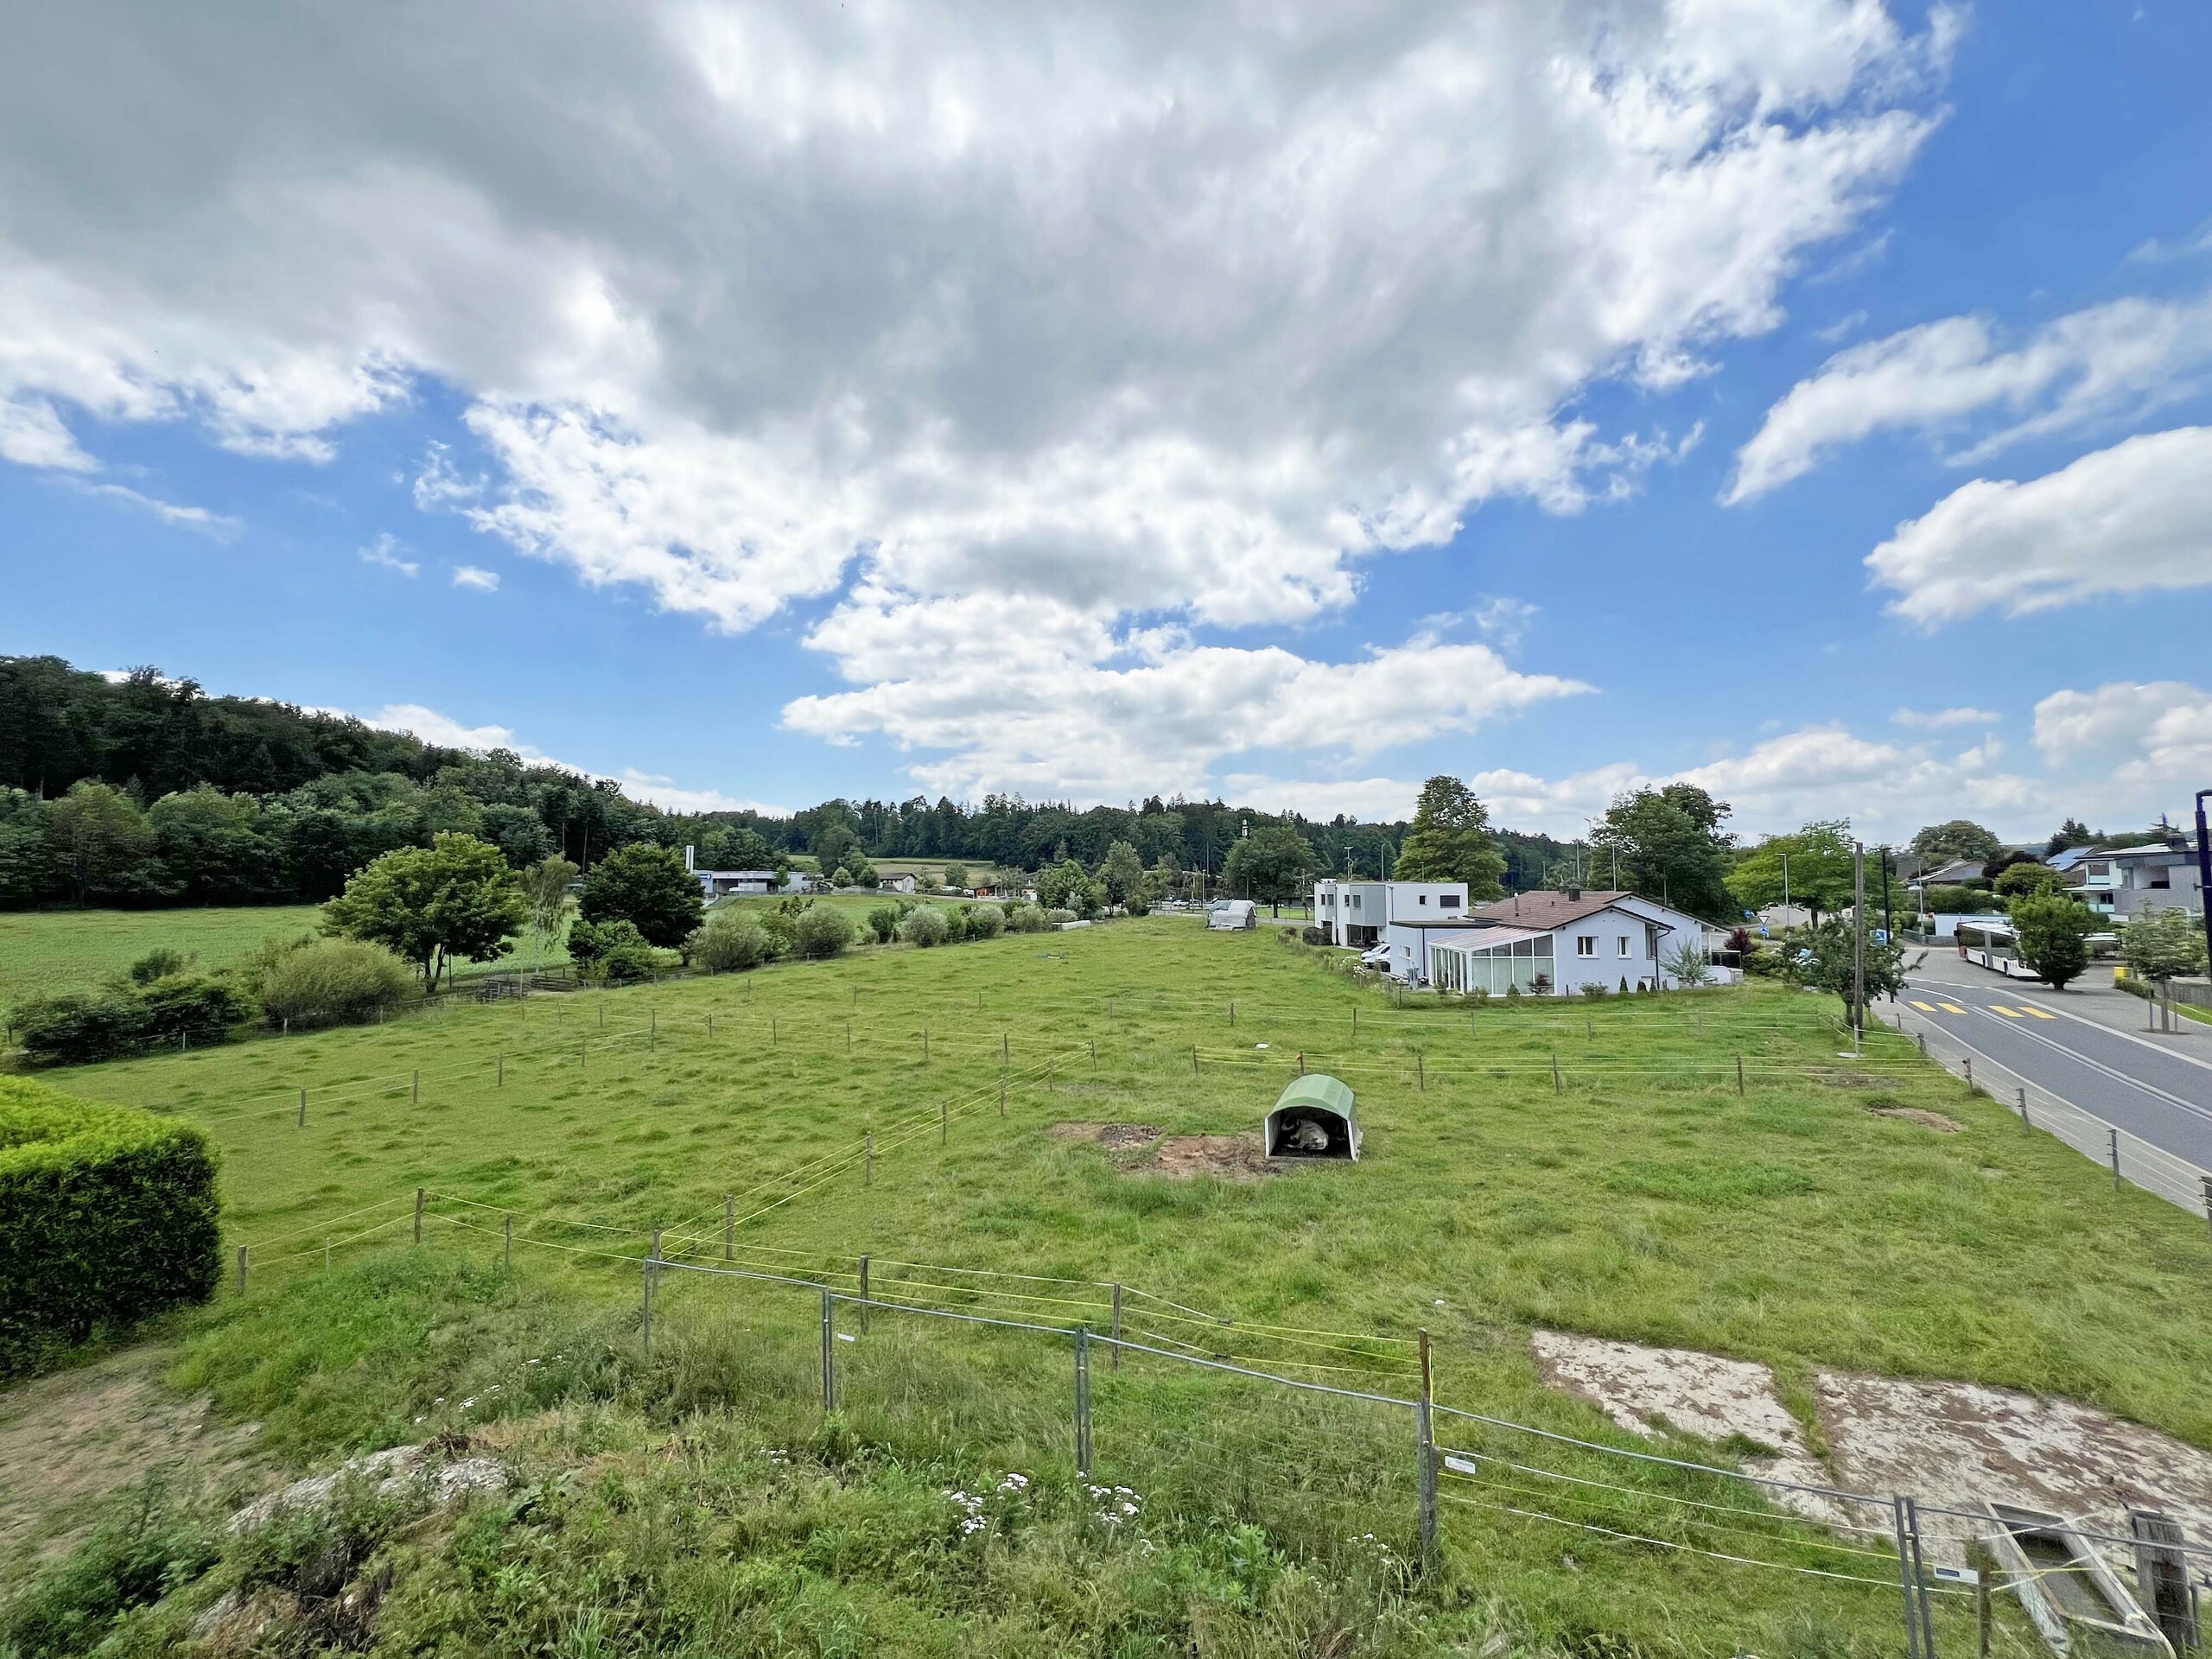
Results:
x,y
2038,1012
2010,1014
1925,1007
1950,1007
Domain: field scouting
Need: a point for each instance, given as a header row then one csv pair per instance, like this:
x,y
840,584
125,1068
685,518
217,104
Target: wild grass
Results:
x,y
1641,1196
46,952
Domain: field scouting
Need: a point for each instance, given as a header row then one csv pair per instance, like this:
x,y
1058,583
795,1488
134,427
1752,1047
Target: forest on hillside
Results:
x,y
142,788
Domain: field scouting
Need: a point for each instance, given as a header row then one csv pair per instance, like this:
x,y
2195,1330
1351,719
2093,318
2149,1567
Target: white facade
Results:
x,y
2136,881
1623,939
1356,912
897,884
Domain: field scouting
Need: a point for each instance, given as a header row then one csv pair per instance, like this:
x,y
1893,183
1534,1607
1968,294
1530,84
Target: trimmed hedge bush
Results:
x,y
192,1009
112,1215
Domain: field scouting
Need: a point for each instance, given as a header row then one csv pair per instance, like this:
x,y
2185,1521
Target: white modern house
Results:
x,y
1548,943
1356,912
2132,881
904,882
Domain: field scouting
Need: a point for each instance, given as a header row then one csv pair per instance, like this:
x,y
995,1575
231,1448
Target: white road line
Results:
x,y
2113,1072
2129,1036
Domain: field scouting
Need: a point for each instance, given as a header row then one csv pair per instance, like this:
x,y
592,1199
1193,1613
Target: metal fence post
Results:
x,y
829,1350
2115,1135
2208,1200
1425,1448
303,1109
2024,1125
1904,1581
1921,1037
1969,1074
1114,1360
863,1295
646,1270
1083,1400
1920,1579
729,1227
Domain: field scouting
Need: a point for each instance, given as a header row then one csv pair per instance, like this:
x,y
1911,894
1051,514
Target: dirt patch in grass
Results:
x,y
1229,1157
71,1440
1115,1137
1934,1120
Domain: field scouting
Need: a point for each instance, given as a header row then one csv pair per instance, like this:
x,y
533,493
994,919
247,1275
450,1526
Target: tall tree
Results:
x,y
1122,873
1959,838
648,887
1269,865
1450,841
2054,935
100,842
1668,844
1817,875
429,904
546,889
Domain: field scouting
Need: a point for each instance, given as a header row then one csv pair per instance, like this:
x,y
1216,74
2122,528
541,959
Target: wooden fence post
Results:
x,y
418,1215
241,1269
944,1124
418,1089
868,1172
303,1109
1739,1075
502,1071
729,1227
1194,1060
863,1295
1425,1438
508,1227
1556,1084
1114,1360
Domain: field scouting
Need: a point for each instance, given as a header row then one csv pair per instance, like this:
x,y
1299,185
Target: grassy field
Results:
x,y
1591,1168
48,951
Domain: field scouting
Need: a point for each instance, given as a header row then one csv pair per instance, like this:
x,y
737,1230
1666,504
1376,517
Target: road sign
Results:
x,y
1881,936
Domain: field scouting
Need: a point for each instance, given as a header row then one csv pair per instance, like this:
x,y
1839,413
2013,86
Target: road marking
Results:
x,y
1925,1007
2118,1076
2010,1014
2130,1036
2038,1012
1950,1007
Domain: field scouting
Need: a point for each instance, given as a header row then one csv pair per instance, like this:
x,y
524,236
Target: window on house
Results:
x,y
1450,901
1424,898
1625,949
1586,946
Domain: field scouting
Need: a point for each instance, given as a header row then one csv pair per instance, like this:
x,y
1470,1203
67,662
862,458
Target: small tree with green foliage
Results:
x,y
1818,875
1121,874
2054,936
1450,841
2020,881
648,887
1270,865
956,877
1939,843
546,889
1828,965
2163,945
455,898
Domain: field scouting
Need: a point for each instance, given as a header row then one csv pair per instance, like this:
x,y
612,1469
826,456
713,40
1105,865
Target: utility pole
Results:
x,y
2204,869
1858,946
1888,931
1785,895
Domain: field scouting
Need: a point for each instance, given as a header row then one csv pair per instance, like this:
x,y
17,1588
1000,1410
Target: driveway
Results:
x,y
2087,1049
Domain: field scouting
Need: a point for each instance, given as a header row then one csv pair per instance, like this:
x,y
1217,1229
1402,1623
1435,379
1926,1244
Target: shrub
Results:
x,y
1023,919
883,922
612,953
333,980
822,932
182,1009
1136,908
730,942
132,1558
111,1216
1054,917
926,926
1594,990
158,963
781,925
1314,934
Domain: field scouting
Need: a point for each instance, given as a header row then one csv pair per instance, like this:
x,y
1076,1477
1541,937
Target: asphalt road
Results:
x,y
2087,1045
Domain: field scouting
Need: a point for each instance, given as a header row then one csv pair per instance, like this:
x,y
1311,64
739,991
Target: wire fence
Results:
x,y
2130,1158
1151,1403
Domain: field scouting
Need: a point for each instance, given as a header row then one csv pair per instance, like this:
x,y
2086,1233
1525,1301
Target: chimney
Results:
x,y
1573,895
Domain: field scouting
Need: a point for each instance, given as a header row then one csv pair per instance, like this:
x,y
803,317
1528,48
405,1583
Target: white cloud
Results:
x,y
2145,747
1122,319
1940,719
2119,360
384,551
670,797
1031,695
2131,519
219,526
470,575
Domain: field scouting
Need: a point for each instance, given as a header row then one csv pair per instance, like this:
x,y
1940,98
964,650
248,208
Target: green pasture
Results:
x,y
44,952
1592,1166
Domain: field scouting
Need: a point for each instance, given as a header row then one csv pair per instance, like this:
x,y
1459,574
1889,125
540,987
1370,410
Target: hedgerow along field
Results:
x,y
1592,1166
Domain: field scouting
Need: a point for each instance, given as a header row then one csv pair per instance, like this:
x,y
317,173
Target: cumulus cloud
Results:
x,y
2131,519
1138,318
1039,696
2142,748
475,577
2121,358
1938,719
384,552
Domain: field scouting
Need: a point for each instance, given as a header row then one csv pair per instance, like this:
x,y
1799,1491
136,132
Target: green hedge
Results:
x,y
111,1215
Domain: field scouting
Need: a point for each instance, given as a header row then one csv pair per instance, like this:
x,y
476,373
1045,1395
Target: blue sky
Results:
x,y
760,408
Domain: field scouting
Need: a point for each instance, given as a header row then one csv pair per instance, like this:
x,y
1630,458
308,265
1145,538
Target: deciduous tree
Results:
x,y
1818,876
1270,865
648,887
429,904
1450,841
2054,936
